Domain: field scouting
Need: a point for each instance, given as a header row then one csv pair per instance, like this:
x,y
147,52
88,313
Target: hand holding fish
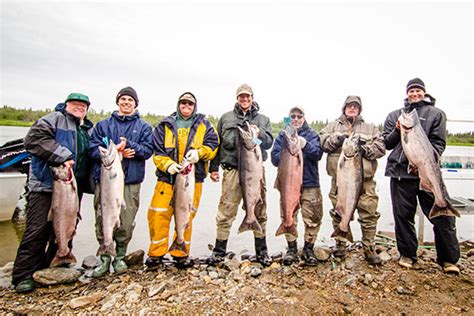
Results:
x,y
68,163
255,127
174,168
128,153
123,143
215,176
192,156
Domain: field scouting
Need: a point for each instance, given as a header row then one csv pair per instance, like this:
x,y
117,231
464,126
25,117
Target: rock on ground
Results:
x,y
52,276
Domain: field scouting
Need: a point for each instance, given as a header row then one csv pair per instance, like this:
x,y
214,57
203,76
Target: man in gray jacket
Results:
x,y
245,110
372,148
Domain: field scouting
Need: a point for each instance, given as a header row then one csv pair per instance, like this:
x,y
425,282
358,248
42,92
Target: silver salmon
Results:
x,y
289,179
250,177
183,202
112,182
349,180
420,153
64,213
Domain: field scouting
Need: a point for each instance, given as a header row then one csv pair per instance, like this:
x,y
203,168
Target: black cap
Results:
x,y
128,91
416,83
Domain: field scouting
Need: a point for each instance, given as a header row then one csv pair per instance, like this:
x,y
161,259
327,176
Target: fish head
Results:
x,y
408,120
62,173
290,134
351,146
109,154
247,136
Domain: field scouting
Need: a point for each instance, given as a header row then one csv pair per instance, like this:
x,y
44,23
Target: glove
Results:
x,y
174,168
302,141
192,156
340,140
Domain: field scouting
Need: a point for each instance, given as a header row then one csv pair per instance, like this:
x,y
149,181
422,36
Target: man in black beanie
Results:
x,y
405,187
134,138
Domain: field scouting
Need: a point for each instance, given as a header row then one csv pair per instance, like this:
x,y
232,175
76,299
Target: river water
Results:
x,y
204,231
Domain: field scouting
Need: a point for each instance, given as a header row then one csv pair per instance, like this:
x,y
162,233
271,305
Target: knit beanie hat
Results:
x,y
128,91
416,83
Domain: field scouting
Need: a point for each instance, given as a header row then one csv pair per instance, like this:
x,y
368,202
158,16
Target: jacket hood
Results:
x,y
124,118
352,98
178,114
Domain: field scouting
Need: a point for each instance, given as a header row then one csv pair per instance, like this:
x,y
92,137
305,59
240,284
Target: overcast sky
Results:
x,y
290,52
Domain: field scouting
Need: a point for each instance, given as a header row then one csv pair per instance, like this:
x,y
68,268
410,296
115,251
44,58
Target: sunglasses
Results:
x,y
296,116
188,103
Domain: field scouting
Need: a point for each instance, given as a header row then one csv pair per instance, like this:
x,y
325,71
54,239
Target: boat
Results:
x,y
14,165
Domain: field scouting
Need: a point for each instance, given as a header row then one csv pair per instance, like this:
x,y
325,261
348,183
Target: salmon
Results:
x,y
64,213
421,154
289,180
250,176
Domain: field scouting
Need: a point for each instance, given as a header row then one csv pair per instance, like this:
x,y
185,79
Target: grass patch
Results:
x,y
460,144
15,123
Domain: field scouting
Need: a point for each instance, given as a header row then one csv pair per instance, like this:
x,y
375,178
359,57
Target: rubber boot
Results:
x,y
308,254
152,262
26,285
262,252
119,264
103,269
371,256
340,251
183,262
218,253
291,254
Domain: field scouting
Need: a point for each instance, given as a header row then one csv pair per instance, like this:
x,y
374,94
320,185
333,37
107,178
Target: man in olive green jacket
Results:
x,y
245,110
372,148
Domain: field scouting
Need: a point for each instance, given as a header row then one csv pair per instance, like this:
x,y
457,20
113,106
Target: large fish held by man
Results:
x,y
289,180
183,203
64,213
250,176
421,154
349,180
112,200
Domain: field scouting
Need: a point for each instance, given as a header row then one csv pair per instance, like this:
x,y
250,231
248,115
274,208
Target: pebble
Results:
x,y
90,262
385,256
349,264
274,266
7,269
322,253
231,264
85,300
470,253
213,275
402,291
152,291
135,258
255,272
368,278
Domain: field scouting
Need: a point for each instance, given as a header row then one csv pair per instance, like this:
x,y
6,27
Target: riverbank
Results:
x,y
332,287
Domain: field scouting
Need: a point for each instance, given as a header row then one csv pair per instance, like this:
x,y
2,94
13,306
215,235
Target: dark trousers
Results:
x,y
38,244
404,193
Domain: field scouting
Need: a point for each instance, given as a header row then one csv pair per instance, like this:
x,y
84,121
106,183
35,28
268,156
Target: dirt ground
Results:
x,y
333,287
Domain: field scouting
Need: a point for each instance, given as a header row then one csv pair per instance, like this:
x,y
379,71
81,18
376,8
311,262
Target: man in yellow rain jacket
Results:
x,y
188,134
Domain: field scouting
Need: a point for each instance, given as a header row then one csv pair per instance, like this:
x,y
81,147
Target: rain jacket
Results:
x,y
369,134
51,141
201,136
312,153
433,122
139,138
229,135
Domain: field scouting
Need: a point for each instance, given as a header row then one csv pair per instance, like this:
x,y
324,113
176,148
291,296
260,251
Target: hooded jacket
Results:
x,y
202,136
368,133
229,135
312,153
139,138
51,141
433,122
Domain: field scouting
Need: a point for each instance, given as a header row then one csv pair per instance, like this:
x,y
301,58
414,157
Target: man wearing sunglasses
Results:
x,y
372,148
183,134
245,110
311,199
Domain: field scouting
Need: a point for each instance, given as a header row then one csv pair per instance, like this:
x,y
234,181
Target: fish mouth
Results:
x,y
186,170
406,127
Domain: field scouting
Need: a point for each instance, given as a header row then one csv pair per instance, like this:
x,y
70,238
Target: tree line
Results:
x,y
11,116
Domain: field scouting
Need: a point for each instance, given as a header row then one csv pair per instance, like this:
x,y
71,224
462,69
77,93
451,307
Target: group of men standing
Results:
x,y
67,137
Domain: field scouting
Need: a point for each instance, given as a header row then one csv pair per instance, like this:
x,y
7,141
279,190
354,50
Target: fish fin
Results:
x,y
60,261
254,226
449,210
338,232
109,249
180,246
424,185
291,230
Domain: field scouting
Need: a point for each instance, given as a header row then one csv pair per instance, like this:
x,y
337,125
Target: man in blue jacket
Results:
x,y
311,200
60,137
134,138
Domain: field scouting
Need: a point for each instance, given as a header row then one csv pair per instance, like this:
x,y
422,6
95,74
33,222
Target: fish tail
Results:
x,y
181,246
254,226
60,261
287,230
448,210
338,232
109,249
